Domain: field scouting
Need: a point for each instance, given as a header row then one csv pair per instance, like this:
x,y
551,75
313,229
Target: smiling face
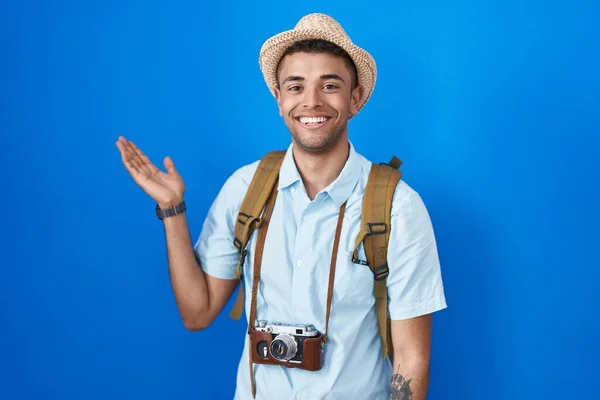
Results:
x,y
316,98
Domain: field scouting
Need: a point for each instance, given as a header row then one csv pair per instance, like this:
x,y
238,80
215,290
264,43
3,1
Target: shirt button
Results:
x,y
299,263
299,397
293,189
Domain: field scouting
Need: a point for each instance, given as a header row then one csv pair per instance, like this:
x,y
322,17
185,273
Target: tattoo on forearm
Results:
x,y
400,388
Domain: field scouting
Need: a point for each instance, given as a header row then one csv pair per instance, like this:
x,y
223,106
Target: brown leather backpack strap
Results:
x,y
258,254
249,219
336,243
375,235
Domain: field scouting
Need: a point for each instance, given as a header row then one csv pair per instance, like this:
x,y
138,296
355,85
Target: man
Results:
x,y
320,80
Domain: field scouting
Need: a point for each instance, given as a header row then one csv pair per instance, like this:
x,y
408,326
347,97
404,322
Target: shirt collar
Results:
x,y
288,172
339,190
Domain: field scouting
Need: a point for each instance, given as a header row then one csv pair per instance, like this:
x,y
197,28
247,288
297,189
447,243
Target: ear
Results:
x,y
357,95
278,99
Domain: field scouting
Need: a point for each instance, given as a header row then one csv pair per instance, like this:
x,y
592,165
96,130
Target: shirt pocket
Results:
x,y
354,281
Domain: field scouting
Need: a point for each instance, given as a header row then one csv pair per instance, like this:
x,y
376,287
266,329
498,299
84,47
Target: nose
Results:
x,y
312,98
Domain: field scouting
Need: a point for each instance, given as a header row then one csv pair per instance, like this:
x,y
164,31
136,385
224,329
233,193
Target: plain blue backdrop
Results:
x,y
493,106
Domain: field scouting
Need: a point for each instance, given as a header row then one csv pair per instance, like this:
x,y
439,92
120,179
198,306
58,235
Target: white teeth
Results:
x,y
312,120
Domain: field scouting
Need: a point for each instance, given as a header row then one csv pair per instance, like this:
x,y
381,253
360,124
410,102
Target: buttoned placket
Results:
x,y
301,273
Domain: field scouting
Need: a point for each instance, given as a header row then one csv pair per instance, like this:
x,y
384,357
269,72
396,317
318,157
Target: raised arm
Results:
x,y
199,296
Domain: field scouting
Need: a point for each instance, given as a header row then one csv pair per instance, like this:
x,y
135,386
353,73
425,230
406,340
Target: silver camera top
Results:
x,y
276,328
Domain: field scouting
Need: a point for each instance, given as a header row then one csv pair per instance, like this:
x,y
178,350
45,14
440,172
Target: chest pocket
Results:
x,y
353,285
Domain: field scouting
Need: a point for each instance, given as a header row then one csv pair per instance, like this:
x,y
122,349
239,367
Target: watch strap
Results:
x,y
163,213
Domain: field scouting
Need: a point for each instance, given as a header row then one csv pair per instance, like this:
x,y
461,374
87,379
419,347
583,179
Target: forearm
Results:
x,y
410,380
187,278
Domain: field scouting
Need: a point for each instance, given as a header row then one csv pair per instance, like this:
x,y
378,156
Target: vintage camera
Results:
x,y
290,345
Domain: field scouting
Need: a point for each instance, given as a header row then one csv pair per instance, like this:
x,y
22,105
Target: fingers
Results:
x,y
142,159
130,156
131,166
170,165
135,158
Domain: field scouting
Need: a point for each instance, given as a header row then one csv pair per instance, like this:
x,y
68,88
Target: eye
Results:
x,y
330,86
294,88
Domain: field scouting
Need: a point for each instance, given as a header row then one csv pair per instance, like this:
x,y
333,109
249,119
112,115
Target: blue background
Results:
x,y
493,106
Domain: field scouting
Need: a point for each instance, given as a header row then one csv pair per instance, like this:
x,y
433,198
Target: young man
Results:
x,y
320,80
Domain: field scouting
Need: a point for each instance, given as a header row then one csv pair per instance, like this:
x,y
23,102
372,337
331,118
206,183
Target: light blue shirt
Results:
x,y
294,278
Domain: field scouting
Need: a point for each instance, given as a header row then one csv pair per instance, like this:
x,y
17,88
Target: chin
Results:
x,y
315,145
317,141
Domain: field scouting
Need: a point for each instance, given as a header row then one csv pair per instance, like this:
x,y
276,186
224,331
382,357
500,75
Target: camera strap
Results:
x,y
336,243
258,252
260,244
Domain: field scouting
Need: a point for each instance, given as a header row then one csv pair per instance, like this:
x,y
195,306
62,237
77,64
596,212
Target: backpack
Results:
x,y
374,232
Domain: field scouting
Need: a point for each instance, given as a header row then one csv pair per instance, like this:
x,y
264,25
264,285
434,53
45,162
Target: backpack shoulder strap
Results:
x,y
249,215
375,235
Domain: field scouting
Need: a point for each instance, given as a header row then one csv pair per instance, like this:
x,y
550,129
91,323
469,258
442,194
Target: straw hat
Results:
x,y
318,26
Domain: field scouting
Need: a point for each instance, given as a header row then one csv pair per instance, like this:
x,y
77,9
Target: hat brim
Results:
x,y
274,48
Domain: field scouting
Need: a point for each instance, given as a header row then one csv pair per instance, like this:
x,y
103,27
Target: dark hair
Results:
x,y
321,46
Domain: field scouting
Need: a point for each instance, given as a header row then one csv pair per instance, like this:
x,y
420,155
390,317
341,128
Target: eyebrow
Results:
x,y
332,76
294,78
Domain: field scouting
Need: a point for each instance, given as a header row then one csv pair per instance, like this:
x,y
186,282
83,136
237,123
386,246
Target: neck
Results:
x,y
318,170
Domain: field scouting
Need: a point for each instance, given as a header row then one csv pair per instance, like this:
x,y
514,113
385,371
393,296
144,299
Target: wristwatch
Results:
x,y
163,213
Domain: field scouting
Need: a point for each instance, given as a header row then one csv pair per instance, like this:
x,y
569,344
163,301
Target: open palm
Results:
x,y
165,188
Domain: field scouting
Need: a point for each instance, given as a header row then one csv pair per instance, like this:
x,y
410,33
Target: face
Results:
x,y
316,99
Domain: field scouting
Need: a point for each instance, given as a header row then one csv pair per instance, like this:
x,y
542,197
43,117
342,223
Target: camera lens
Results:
x,y
283,347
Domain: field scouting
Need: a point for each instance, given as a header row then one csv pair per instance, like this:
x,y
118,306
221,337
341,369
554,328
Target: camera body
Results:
x,y
289,345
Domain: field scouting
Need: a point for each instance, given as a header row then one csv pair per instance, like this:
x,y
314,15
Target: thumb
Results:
x,y
169,165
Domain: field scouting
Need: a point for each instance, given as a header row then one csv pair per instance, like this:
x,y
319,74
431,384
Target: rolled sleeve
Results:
x,y
214,248
414,282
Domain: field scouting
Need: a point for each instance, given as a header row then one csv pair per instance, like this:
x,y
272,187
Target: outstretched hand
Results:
x,y
166,189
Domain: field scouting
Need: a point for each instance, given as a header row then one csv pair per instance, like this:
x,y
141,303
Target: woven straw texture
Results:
x,y
318,26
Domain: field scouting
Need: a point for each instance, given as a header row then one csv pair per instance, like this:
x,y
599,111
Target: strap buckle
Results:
x,y
238,244
243,257
381,272
243,218
247,220
377,228
359,261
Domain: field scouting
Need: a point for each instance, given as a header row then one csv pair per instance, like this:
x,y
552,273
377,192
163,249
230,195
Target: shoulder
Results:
x,y
242,177
236,185
232,192
406,199
403,193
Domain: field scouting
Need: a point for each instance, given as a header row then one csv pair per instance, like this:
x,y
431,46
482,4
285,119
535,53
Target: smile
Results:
x,y
312,122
